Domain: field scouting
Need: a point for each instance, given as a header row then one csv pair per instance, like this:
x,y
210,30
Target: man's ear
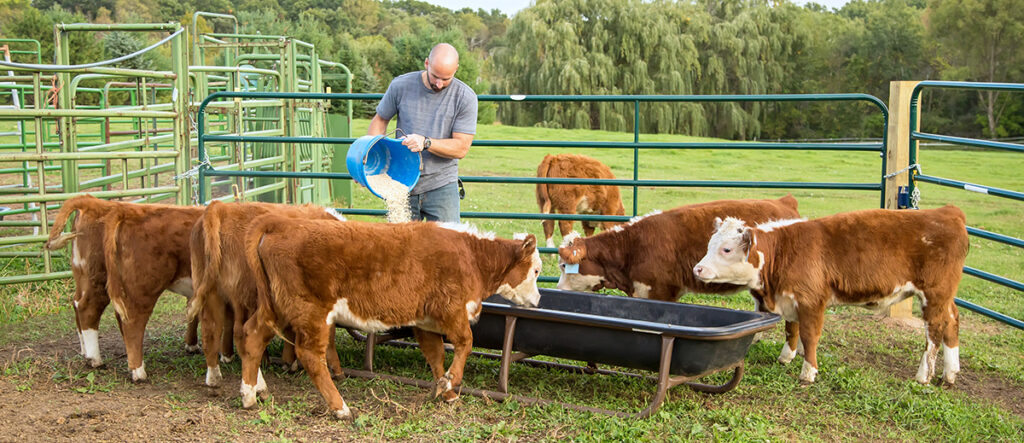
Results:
x,y
574,252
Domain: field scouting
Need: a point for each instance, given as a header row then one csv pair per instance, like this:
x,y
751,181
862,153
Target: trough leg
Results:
x,y
737,374
506,353
663,377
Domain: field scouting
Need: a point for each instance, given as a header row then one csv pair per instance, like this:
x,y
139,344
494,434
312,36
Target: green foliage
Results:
x,y
118,44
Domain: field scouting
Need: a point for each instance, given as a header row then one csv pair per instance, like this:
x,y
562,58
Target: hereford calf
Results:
x,y
871,258
652,256
312,274
573,199
225,292
128,254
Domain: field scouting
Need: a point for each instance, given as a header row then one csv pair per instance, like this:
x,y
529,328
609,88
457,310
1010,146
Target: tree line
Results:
x,y
630,47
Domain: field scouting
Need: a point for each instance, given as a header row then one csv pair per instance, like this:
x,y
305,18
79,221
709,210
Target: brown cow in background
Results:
x,y
225,290
128,254
576,199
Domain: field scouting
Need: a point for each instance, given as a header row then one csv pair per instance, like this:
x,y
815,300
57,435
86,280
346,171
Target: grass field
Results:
x,y
865,389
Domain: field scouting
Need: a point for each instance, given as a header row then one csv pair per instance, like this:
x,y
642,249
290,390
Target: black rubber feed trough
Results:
x,y
681,342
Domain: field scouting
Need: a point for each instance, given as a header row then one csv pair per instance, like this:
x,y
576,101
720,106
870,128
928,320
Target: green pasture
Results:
x,y
865,389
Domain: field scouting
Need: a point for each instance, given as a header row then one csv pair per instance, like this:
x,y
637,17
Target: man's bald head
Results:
x,y
441,65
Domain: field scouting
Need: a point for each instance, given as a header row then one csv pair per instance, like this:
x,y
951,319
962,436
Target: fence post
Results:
x,y
897,155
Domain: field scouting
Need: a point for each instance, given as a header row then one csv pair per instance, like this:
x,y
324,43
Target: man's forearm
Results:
x,y
378,126
450,147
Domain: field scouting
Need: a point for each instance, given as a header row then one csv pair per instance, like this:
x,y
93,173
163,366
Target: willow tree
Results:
x,y
639,47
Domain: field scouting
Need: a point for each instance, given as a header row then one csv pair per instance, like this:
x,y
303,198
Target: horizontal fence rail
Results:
x,y
206,171
917,176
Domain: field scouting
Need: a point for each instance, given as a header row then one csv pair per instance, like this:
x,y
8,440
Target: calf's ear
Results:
x,y
718,222
530,243
574,252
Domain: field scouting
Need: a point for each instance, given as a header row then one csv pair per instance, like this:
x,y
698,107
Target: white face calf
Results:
x,y
520,285
727,258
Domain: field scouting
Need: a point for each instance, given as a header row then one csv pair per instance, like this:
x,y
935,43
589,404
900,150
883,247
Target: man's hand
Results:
x,y
414,142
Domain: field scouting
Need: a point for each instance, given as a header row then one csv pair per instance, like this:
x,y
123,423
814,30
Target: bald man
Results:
x,y
437,117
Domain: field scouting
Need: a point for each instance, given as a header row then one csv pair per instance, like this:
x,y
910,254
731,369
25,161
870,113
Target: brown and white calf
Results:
x,y
870,258
128,254
225,290
653,255
312,274
576,199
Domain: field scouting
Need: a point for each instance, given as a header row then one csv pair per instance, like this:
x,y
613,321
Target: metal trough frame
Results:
x,y
664,380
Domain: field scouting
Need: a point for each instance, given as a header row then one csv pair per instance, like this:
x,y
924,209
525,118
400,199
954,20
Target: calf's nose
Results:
x,y
698,270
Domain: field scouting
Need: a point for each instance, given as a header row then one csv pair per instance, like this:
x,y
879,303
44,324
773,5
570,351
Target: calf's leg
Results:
x,y
462,339
433,350
254,342
793,345
310,345
213,321
811,322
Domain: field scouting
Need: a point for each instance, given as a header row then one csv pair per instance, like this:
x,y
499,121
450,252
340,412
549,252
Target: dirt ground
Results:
x,y
39,401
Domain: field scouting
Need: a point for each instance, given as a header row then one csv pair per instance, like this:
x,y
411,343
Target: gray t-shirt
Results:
x,y
433,114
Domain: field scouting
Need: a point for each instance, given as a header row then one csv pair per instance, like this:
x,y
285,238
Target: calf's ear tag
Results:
x,y
572,269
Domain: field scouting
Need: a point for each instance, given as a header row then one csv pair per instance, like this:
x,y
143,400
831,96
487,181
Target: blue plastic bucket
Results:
x,y
377,154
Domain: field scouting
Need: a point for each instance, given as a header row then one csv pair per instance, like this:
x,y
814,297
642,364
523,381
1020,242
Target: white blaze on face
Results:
x,y
725,261
91,347
641,290
342,315
526,292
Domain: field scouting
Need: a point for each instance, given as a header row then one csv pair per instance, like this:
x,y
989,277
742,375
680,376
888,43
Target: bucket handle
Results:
x,y
395,132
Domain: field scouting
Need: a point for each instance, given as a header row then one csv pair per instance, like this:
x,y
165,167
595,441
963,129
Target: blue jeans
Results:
x,y
441,204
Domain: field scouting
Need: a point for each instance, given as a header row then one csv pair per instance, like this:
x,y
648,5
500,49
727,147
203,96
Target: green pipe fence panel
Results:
x,y
876,185
918,176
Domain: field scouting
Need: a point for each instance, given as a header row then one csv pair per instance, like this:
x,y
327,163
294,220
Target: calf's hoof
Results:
x,y
442,385
227,358
450,396
139,374
248,396
192,349
344,413
213,377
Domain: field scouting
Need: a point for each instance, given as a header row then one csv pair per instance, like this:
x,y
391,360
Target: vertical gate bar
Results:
x,y
636,151
182,130
44,227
